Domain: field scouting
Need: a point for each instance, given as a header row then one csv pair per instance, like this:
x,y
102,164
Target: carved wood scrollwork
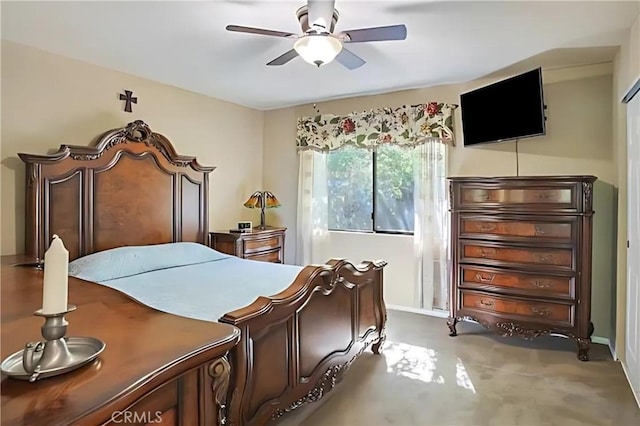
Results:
x,y
111,142
136,128
325,384
335,280
220,371
34,174
508,329
136,132
450,194
587,189
379,343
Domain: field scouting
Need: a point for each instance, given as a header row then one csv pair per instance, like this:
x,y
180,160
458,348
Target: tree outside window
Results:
x,y
371,191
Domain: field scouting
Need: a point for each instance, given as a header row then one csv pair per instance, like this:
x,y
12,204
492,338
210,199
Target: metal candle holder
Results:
x,y
55,352
55,355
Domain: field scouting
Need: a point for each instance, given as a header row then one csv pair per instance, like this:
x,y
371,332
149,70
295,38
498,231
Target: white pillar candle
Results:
x,y
56,270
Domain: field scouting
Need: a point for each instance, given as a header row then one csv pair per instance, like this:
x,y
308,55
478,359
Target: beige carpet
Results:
x,y
425,377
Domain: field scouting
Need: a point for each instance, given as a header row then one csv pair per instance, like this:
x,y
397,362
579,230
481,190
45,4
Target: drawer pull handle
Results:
x,y
486,302
487,227
545,258
543,312
539,230
485,279
487,252
546,195
541,283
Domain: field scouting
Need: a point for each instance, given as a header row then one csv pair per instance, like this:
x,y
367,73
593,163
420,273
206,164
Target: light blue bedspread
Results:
x,y
185,279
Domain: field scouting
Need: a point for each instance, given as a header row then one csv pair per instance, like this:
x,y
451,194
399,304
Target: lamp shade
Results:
x,y
318,49
262,200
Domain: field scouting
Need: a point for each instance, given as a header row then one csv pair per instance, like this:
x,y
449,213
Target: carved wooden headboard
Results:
x,y
131,188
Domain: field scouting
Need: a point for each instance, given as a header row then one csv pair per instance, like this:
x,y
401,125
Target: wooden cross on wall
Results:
x,y
129,99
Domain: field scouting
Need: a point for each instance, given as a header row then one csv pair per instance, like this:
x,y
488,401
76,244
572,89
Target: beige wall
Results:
x,y
578,141
626,72
56,100
48,100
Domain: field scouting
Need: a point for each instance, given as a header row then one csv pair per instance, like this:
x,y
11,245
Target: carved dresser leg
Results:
x,y
583,348
451,322
377,346
220,370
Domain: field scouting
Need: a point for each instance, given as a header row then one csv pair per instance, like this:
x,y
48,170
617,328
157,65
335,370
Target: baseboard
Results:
x,y
604,341
636,396
614,355
429,312
600,340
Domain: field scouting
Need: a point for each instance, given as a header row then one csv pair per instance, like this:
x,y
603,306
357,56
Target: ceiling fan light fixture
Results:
x,y
318,49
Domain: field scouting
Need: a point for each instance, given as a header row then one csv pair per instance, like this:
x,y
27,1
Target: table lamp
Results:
x,y
262,200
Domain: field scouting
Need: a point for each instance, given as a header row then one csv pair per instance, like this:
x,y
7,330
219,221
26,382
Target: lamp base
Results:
x,y
262,221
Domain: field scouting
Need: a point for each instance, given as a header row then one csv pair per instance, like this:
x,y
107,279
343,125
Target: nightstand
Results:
x,y
266,245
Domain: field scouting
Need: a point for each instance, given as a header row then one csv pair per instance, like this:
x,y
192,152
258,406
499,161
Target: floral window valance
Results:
x,y
407,125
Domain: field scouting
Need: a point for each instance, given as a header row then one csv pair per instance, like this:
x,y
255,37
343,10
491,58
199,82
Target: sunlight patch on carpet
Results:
x,y
420,363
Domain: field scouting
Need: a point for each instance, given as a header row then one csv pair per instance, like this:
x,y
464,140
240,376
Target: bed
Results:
x,y
131,191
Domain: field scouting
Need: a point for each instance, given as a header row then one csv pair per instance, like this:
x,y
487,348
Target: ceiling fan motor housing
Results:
x,y
303,18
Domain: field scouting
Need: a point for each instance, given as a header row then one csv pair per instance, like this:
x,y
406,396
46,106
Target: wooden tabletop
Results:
x,y
144,348
254,230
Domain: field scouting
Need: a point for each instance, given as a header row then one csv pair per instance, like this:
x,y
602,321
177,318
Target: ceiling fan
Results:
x,y
319,44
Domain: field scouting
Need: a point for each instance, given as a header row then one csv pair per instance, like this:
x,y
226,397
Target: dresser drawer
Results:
x,y
538,311
531,195
271,256
515,256
520,195
510,282
510,229
253,245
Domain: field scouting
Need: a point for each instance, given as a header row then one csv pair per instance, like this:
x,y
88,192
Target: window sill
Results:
x,y
371,234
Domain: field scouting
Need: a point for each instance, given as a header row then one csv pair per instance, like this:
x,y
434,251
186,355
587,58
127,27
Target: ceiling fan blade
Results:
x,y
392,32
284,58
320,13
259,31
349,59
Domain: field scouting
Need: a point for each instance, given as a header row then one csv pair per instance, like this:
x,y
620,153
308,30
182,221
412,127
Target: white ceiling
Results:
x,y
185,44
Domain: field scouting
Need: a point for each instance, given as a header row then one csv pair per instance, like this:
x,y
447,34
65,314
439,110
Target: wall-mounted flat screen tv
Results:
x,y
506,110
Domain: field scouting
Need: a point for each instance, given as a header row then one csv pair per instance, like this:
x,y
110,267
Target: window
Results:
x,y
371,191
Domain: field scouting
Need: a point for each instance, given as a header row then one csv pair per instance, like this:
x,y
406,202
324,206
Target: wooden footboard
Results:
x,y
297,345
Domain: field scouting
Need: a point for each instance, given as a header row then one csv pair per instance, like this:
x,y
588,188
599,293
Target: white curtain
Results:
x,y
431,232
312,236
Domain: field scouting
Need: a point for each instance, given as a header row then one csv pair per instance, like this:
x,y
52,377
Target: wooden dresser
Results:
x,y
155,368
521,253
266,245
